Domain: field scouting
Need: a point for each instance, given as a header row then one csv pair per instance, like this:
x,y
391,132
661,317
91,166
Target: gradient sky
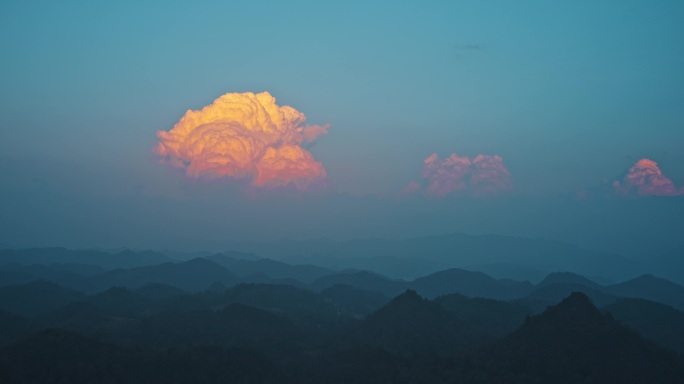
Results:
x,y
569,94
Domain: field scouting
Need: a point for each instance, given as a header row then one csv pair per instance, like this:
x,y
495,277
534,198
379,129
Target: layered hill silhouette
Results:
x,y
36,297
652,288
302,323
568,278
474,284
655,321
271,268
548,294
407,259
57,356
192,275
216,337
487,317
201,273
573,342
369,281
236,325
13,327
410,324
354,301
13,274
415,257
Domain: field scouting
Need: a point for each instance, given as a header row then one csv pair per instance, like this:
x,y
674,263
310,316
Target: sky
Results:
x,y
403,118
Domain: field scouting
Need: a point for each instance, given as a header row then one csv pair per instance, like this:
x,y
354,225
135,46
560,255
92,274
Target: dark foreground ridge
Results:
x,y
262,333
572,342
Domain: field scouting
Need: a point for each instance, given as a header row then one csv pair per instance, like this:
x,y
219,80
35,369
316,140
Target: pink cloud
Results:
x,y
490,175
410,189
645,178
311,132
482,175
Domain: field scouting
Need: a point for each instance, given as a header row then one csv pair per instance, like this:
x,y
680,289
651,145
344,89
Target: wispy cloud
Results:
x,y
469,47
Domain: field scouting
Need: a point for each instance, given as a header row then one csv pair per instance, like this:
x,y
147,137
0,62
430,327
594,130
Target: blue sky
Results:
x,y
569,94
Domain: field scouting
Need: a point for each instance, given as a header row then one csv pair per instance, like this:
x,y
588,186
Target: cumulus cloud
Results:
x,y
645,178
482,175
244,136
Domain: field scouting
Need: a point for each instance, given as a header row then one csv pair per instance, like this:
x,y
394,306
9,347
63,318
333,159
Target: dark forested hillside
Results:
x,y
36,297
658,322
572,342
264,321
489,318
411,325
56,356
264,333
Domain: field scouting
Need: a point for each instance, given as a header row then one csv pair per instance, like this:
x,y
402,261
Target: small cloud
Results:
x,y
582,194
311,132
645,178
410,189
481,176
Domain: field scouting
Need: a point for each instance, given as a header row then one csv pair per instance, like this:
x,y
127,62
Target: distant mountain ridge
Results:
x,y
652,288
469,283
272,268
227,270
49,256
499,256
193,275
567,277
415,257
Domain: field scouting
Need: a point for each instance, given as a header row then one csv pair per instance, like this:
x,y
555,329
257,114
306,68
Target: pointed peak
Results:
x,y
115,290
409,294
408,299
577,298
577,305
566,277
200,262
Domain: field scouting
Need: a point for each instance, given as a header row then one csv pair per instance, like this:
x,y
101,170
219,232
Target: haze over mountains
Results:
x,y
478,266
499,256
321,311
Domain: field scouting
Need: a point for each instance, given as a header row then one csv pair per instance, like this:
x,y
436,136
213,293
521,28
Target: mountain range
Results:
x,y
275,334
158,318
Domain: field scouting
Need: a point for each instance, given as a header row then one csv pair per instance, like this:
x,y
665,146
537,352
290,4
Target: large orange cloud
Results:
x,y
244,136
482,175
645,178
